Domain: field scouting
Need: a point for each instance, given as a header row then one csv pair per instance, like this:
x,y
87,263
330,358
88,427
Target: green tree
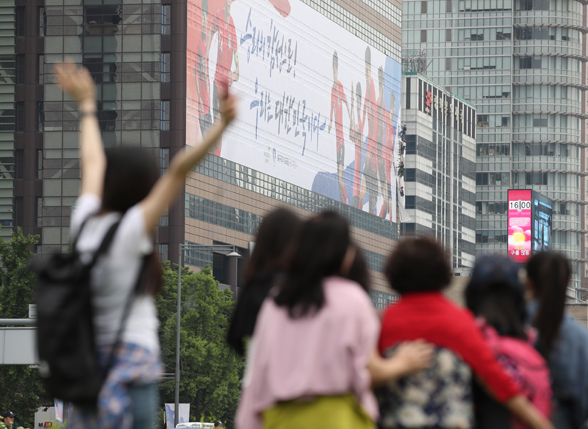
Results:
x,y
210,371
21,389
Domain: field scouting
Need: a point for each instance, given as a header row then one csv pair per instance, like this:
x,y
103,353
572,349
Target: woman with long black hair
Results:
x,y
314,358
562,341
123,186
275,238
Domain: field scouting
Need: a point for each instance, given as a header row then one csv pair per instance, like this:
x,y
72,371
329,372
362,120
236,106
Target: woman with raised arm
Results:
x,y
122,193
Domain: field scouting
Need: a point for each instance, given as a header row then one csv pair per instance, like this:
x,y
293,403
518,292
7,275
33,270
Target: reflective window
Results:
x,y
165,115
166,19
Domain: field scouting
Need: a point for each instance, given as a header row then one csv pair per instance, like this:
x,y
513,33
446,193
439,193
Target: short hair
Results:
x,y
335,60
368,56
418,265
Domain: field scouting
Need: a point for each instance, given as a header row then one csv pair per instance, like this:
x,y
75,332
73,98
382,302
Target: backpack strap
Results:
x,y
74,240
106,241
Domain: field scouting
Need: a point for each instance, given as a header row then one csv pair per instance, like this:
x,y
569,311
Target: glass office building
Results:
x,y
136,51
522,64
440,168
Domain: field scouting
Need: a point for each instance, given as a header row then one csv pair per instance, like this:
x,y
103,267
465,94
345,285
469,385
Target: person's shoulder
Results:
x,y
345,291
574,330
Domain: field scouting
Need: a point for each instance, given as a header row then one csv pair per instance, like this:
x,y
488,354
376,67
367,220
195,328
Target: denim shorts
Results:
x,y
145,399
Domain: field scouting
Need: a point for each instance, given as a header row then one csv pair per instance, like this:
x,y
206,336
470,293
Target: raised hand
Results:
x,y
76,82
228,104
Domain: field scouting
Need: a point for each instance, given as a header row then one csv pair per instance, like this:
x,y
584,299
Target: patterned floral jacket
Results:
x,y
439,397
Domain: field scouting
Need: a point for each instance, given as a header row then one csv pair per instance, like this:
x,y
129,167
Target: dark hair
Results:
x,y
418,265
275,238
495,293
357,271
549,275
130,175
358,90
503,308
368,55
335,60
322,245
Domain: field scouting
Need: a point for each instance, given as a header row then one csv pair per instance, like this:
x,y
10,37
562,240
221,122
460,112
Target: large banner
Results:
x,y
318,107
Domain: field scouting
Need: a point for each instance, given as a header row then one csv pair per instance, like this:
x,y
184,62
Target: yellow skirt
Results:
x,y
325,412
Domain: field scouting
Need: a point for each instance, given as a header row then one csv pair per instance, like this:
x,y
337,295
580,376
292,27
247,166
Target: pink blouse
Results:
x,y
323,354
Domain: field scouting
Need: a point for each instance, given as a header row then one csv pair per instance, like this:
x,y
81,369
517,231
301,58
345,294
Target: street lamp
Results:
x,y
182,248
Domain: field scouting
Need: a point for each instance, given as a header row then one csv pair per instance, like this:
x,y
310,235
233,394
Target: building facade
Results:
x,y
136,51
440,167
522,63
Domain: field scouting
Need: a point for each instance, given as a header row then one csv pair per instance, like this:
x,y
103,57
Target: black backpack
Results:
x,y
65,329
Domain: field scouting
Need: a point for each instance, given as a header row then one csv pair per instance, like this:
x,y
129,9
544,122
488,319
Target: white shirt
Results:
x,y
115,274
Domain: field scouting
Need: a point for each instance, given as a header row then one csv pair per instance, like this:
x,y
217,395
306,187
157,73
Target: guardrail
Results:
x,y
18,322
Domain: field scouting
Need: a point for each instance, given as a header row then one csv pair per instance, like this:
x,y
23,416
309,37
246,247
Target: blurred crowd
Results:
x,y
319,355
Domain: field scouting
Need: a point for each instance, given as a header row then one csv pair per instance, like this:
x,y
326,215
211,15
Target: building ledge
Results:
x,y
580,202
580,28
580,86
579,144
581,231
550,170
582,58
550,112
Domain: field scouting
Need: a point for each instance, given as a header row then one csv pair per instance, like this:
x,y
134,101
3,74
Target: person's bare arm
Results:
x,y
77,82
522,408
168,186
409,358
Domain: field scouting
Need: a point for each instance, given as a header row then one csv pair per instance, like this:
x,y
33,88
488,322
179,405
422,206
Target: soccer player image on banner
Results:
x,y
388,158
356,137
224,26
201,72
337,100
370,173
381,116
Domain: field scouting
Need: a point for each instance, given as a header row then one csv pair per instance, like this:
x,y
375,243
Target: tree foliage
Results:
x,y
210,371
21,389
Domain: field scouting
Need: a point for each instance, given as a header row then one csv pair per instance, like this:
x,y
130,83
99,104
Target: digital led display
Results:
x,y
519,224
542,223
